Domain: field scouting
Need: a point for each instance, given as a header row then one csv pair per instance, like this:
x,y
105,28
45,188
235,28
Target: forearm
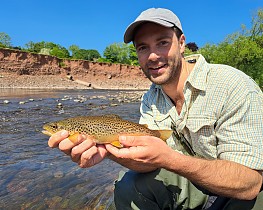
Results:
x,y
221,177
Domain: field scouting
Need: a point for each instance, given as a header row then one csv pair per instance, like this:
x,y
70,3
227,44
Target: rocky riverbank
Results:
x,y
11,80
30,70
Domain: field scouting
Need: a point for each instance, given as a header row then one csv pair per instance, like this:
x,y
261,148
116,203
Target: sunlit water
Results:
x,y
34,176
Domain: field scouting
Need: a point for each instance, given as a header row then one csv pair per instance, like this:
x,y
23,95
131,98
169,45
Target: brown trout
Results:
x,y
102,129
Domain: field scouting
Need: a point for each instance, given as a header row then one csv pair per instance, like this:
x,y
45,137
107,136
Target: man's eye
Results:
x,y
141,49
163,43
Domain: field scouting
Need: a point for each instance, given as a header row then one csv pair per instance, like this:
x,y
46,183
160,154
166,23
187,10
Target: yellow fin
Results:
x,y
117,144
73,137
165,134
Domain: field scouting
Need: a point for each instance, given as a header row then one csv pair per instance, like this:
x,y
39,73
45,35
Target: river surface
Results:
x,y
34,176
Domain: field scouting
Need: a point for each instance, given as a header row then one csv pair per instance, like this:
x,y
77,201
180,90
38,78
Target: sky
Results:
x,y
92,24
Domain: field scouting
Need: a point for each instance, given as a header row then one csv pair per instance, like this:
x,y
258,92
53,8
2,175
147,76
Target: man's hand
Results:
x,y
140,153
85,152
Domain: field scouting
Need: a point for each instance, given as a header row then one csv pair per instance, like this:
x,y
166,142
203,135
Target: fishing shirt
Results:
x,y
221,118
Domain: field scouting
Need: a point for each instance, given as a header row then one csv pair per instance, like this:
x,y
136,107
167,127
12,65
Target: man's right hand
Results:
x,y
85,152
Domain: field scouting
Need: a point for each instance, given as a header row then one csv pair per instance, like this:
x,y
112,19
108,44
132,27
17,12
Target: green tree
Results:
x,y
102,60
48,48
5,40
117,53
35,47
73,49
242,50
133,55
192,46
84,54
59,51
257,25
93,55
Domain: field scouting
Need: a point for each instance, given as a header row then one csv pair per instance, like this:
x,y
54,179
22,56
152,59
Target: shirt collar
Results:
x,y
198,76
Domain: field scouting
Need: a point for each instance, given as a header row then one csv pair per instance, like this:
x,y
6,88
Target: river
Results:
x,y
34,176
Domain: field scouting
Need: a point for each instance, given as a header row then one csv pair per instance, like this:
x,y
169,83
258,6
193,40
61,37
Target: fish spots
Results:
x,y
105,128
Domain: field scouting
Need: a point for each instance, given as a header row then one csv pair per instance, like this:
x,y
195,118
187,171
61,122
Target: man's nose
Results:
x,y
153,56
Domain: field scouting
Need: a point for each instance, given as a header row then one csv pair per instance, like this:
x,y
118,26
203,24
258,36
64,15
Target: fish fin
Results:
x,y
145,125
117,144
112,139
165,134
73,137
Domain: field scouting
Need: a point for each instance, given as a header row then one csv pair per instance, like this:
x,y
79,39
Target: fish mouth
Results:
x,y
47,132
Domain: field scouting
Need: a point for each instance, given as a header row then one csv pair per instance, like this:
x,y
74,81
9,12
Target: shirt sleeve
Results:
x,y
240,131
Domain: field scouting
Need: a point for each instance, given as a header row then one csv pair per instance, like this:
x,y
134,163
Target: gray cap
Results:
x,y
160,16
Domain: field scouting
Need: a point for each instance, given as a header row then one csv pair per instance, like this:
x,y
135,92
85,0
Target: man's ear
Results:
x,y
182,43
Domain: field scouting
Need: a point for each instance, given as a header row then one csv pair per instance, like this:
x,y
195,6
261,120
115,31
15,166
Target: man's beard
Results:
x,y
173,68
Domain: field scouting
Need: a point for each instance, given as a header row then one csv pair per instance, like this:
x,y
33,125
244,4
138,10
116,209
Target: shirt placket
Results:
x,y
182,118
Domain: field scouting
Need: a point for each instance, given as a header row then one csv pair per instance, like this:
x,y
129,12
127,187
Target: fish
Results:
x,y
102,129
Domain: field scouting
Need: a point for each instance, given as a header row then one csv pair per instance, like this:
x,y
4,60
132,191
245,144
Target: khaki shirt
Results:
x,y
222,116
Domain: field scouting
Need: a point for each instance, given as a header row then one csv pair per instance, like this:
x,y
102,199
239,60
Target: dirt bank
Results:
x,y
28,70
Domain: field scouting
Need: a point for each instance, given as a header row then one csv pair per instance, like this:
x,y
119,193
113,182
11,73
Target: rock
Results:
x,y
6,102
58,174
83,83
70,77
59,105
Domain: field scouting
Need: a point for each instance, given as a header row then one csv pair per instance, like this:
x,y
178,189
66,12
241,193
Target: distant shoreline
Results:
x,y
14,81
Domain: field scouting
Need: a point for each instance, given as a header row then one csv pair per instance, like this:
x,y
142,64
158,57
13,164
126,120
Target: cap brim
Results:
x,y
131,29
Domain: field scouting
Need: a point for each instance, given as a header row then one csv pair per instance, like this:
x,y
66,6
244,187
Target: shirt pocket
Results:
x,y
203,138
161,118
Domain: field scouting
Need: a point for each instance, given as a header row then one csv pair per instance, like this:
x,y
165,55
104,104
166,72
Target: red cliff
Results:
x,y
103,75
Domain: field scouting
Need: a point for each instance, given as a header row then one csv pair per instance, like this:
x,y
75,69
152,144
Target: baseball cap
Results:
x,y
160,16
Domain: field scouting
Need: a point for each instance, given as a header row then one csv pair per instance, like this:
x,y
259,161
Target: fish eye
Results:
x,y
54,126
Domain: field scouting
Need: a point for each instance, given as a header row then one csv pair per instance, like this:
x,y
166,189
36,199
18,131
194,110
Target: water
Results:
x,y
34,176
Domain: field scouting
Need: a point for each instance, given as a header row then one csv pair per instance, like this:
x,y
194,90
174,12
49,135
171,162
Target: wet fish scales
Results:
x,y
104,129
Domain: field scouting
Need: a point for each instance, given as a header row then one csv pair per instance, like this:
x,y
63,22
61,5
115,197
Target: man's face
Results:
x,y
159,52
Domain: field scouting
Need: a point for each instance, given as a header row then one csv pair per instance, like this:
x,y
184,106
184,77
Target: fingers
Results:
x,y
134,146
92,156
130,144
119,152
80,149
86,159
56,138
84,151
112,149
129,141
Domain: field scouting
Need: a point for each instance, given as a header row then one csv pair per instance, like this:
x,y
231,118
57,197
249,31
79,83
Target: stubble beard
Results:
x,y
172,71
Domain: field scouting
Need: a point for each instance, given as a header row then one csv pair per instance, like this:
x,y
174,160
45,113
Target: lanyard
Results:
x,y
182,140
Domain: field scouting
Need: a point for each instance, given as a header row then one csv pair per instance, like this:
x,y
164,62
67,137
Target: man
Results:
x,y
214,160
